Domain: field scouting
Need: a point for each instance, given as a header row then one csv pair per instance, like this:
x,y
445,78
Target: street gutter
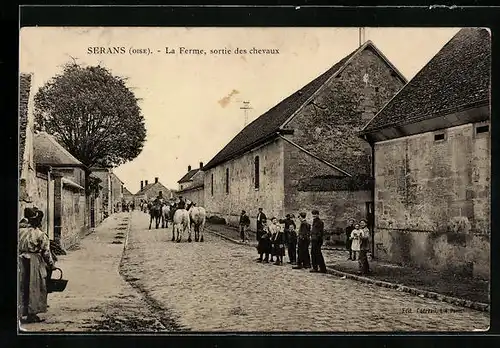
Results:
x,y
483,307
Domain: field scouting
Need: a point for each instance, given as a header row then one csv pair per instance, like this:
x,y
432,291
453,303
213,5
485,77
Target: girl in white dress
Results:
x,y
356,241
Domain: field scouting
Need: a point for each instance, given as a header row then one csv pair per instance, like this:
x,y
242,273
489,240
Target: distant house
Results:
x,y
191,185
304,153
66,182
150,191
432,168
127,195
112,189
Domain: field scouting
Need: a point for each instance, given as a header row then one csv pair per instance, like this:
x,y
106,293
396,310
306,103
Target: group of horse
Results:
x,y
191,217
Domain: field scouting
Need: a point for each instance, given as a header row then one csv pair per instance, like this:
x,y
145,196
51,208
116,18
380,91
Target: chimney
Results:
x,y
189,168
201,165
156,180
142,185
145,183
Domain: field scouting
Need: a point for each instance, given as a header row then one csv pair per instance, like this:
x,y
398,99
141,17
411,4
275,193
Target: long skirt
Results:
x,y
264,246
33,286
278,249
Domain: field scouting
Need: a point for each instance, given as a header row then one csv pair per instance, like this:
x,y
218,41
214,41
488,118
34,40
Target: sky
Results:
x,y
191,102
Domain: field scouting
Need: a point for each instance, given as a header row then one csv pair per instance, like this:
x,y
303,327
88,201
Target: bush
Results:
x,y
216,220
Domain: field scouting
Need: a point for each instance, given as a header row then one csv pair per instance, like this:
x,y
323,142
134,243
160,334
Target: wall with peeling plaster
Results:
x,y
432,201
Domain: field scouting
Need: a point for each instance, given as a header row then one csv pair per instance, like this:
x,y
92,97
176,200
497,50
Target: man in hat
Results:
x,y
181,204
260,226
303,259
317,232
35,260
244,223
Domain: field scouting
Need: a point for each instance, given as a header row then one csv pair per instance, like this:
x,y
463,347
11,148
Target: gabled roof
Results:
x,y
24,94
456,78
48,151
127,192
148,187
268,124
189,175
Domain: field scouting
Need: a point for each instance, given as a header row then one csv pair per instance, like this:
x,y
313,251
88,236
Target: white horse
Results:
x,y
165,215
181,220
197,216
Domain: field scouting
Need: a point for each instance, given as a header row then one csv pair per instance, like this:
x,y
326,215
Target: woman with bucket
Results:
x,y
35,260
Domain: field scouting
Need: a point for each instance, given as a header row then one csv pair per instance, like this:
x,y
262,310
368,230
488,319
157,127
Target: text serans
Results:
x,y
106,50
264,51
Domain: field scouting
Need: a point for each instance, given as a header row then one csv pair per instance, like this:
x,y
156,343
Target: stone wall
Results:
x,y
105,195
242,192
432,201
196,195
73,217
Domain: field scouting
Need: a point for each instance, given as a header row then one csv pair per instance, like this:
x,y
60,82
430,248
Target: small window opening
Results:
x,y
439,136
483,129
227,180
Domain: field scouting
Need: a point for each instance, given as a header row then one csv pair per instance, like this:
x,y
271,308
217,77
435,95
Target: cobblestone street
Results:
x,y
218,286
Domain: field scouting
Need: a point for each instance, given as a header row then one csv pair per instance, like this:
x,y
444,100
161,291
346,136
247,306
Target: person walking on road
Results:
x,y
317,233
290,238
348,240
304,235
364,267
244,224
35,261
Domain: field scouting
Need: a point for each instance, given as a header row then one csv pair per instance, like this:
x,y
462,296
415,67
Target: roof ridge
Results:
x,y
419,73
334,73
59,147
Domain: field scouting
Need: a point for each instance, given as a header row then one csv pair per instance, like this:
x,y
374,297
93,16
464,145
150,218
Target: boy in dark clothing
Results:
x,y
290,238
304,237
348,240
317,232
244,223
265,244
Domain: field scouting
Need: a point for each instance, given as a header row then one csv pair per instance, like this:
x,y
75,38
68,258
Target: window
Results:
x,y
182,187
227,180
439,137
257,172
212,184
483,129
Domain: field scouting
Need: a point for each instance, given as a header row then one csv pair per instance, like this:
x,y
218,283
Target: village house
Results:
x,y
304,153
150,191
64,177
112,189
128,197
432,160
191,186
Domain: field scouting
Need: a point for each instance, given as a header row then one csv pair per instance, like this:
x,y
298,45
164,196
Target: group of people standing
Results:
x,y
272,240
274,236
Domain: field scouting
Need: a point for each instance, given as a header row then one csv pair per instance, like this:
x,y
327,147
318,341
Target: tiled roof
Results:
x,y
126,192
457,77
49,152
270,122
149,187
188,175
24,92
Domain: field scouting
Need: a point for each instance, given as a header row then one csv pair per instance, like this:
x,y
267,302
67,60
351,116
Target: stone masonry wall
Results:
x,y
242,192
432,201
327,127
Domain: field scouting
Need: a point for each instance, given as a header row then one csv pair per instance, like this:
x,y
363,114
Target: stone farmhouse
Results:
x,y
191,185
150,191
432,170
304,153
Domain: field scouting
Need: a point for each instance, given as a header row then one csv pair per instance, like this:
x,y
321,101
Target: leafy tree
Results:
x,y
93,114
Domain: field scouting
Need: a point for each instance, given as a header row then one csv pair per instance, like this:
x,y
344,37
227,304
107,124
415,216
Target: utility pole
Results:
x,y
361,36
245,109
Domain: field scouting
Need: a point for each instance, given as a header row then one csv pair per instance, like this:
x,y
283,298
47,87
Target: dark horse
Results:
x,y
154,213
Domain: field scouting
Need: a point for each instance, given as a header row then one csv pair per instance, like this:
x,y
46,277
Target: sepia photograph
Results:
x,y
254,179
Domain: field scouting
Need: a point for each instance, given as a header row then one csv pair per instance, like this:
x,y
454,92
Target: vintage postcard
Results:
x,y
254,179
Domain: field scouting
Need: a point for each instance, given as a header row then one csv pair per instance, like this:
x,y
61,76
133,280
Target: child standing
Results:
x,y
356,241
278,241
264,246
